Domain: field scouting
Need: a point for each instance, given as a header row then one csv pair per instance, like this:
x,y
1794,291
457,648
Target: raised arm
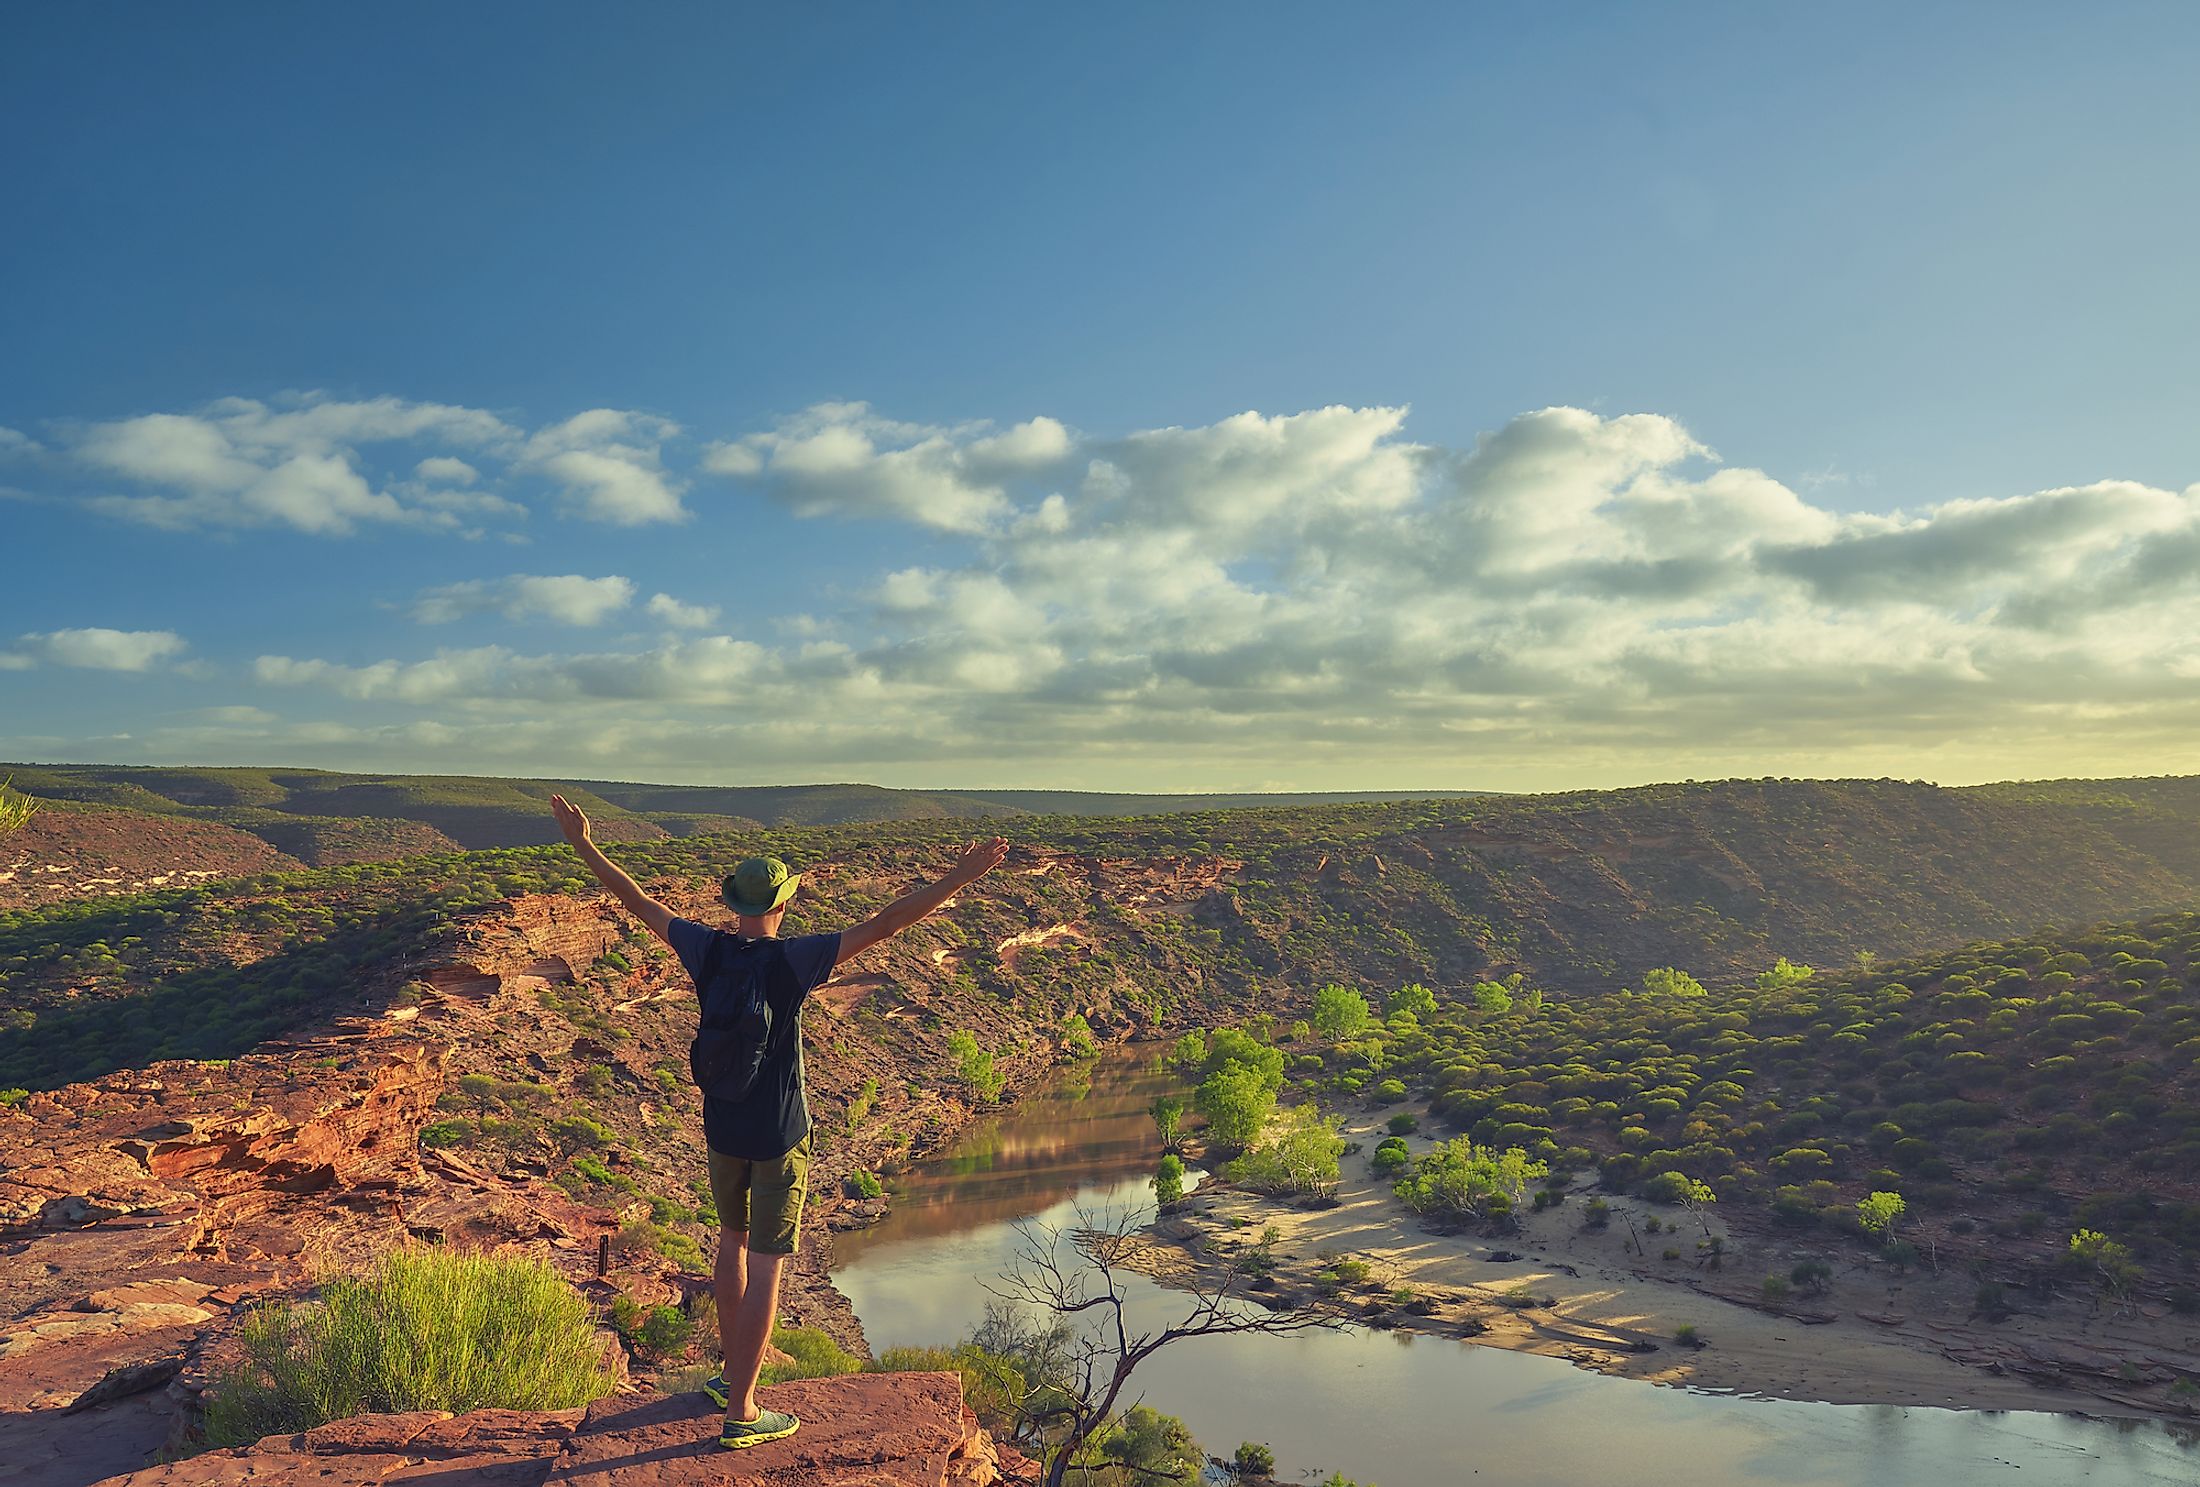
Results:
x,y
573,821
978,859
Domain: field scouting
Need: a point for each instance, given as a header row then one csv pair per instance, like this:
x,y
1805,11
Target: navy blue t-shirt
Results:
x,y
776,1115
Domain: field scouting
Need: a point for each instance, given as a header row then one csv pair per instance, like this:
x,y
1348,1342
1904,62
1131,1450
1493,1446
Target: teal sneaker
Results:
x,y
715,1387
770,1425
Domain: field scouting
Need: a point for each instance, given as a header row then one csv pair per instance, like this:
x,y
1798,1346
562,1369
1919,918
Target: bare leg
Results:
x,y
752,1328
731,1275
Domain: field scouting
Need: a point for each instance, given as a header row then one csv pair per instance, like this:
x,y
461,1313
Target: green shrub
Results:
x,y
1402,1122
1462,1180
1168,1180
862,1184
1253,1461
671,1243
579,1133
1077,1037
859,1107
975,1066
657,1330
814,1355
993,1384
448,1133
1339,1012
423,1330
16,808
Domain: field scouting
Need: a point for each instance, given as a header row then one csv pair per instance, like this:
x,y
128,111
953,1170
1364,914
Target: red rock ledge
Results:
x,y
865,1430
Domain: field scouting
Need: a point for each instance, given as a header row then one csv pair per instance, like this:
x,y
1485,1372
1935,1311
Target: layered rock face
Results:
x,y
865,1430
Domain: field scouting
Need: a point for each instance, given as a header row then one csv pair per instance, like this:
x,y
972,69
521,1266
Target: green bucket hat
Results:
x,y
758,886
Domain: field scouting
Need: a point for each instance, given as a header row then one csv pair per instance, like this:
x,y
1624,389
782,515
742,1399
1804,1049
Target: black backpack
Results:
x,y
734,1044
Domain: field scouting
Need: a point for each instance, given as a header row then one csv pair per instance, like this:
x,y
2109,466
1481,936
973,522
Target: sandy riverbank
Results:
x,y
1874,1337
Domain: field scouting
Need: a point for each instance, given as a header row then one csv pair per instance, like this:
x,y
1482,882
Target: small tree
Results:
x,y
1168,1181
1696,1197
1077,1037
1495,996
2111,1263
1152,1446
1878,1212
1813,1276
1253,1460
1339,1012
1669,981
1462,1180
975,1066
1236,1102
1298,1155
1168,1119
1415,998
1070,1391
1784,974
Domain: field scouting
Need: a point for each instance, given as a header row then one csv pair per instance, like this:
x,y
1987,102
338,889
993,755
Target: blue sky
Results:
x,y
1715,389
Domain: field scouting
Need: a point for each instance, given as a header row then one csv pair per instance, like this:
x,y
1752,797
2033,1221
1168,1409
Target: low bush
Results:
x,y
1253,1461
813,1355
423,1330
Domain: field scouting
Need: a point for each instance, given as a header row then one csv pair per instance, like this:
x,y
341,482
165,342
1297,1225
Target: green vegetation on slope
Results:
x,y
2009,1093
93,985
1247,908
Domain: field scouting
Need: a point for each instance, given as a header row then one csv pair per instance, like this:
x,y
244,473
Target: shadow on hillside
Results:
x,y
214,1012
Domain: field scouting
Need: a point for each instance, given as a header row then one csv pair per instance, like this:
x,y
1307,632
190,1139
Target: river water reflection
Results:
x,y
1401,1411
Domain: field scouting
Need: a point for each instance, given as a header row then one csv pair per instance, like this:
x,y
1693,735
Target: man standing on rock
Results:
x,y
760,1145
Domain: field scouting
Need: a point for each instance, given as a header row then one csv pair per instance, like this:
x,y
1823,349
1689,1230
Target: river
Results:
x,y
1397,1410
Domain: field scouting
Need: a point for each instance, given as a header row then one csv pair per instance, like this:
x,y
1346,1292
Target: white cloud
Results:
x,y
15,444
682,616
100,649
1313,595
243,463
568,598
313,463
609,465
443,470
839,459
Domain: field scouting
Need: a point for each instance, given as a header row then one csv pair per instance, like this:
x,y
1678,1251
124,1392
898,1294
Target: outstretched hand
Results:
x,y
572,820
978,859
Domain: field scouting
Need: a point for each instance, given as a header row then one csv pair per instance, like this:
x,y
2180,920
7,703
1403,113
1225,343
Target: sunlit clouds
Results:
x,y
1312,599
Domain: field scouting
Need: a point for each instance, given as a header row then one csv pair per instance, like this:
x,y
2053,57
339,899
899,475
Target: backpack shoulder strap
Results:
x,y
784,987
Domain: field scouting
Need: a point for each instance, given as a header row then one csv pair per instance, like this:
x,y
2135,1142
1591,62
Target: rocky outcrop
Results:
x,y
865,1430
136,1211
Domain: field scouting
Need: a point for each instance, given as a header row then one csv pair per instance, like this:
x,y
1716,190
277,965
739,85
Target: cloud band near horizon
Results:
x,y
1307,600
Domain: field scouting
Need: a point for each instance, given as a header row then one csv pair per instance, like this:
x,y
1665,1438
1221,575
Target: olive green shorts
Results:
x,y
762,1197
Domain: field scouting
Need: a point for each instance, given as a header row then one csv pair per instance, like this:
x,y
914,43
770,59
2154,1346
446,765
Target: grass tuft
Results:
x,y
815,1356
16,808
423,1330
